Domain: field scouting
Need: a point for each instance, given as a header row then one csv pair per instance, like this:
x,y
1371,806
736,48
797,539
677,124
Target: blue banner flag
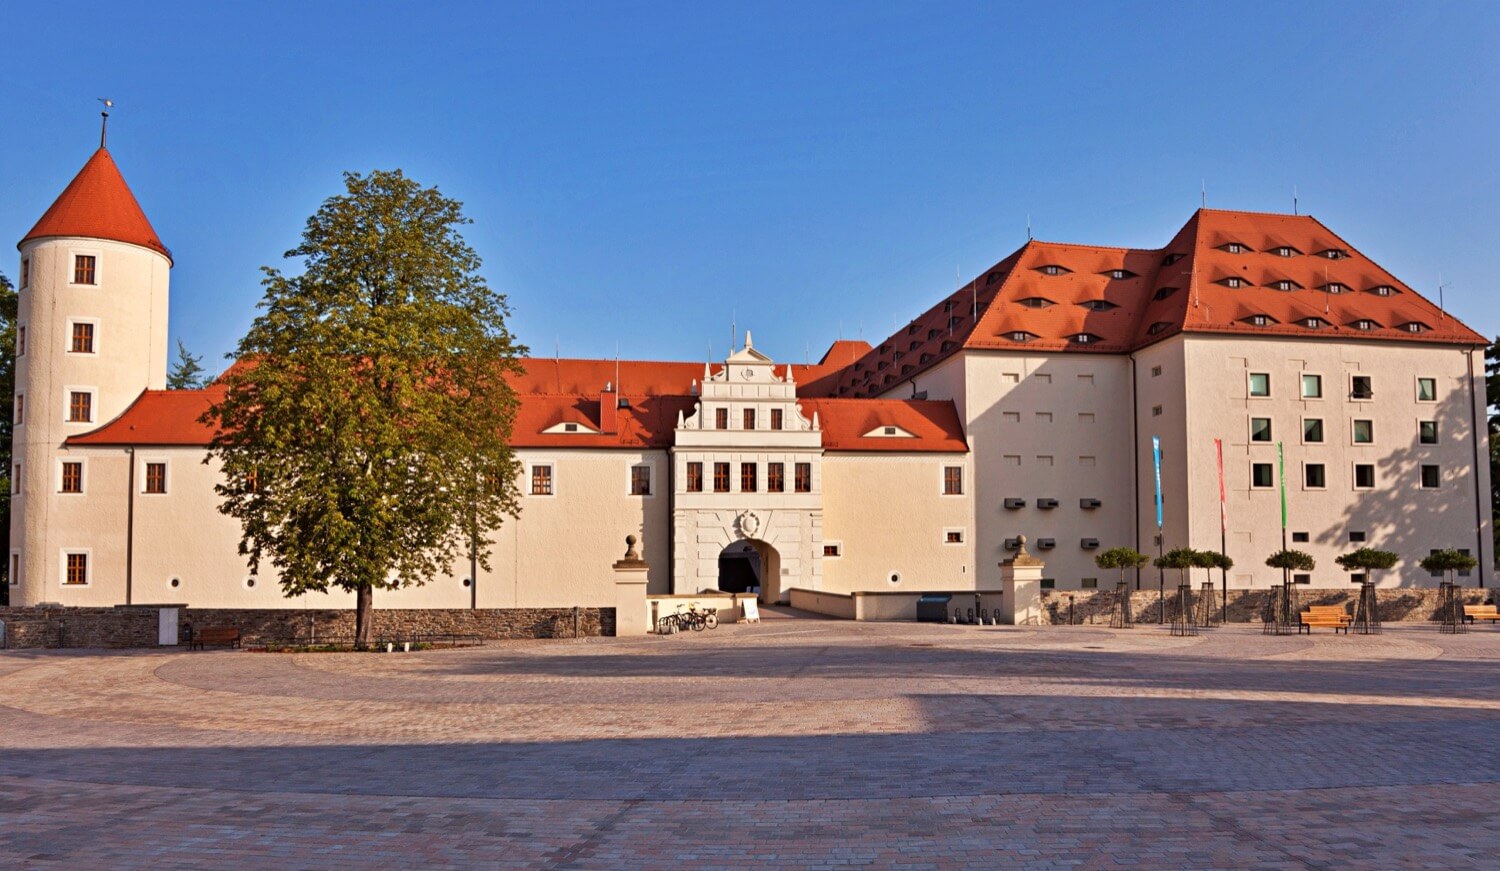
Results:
x,y
1156,459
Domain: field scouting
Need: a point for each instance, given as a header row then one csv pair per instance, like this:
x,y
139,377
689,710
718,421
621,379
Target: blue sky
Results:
x,y
643,174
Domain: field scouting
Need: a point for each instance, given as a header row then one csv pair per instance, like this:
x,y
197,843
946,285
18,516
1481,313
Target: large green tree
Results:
x,y
364,437
9,302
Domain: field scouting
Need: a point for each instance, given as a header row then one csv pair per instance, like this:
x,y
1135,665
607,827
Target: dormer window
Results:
x,y
946,347
1119,274
1383,290
1285,284
1171,258
1234,248
1053,269
1260,320
898,355
1313,323
1158,327
1335,287
925,358
1164,292
1333,253
1083,339
1019,336
1285,251
1415,327
1098,305
947,306
570,427
933,334
913,346
884,349
994,277
954,321
1035,302
1233,281
912,330
1364,325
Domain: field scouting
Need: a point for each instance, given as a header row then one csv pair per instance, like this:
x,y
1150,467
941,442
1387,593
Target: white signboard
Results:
x,y
752,610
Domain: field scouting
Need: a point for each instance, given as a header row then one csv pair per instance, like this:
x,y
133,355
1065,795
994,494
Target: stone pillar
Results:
x,y
632,616
1021,576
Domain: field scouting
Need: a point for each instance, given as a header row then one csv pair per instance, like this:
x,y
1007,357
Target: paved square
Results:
x,y
798,742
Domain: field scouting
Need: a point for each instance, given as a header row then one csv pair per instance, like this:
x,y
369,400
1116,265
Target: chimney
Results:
x,y
609,409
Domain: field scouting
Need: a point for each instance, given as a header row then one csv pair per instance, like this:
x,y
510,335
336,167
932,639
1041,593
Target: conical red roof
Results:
x,y
98,204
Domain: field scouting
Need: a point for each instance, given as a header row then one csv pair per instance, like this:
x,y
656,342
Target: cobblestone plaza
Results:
x,y
793,743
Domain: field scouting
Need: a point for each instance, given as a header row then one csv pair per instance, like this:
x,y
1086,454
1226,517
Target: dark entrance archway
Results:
x,y
751,564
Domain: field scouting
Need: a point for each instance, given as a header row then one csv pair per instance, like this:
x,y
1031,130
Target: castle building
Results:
x,y
1032,400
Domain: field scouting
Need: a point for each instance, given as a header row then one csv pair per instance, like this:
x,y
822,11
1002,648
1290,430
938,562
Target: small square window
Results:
x,y
82,339
1262,476
76,569
1155,371
953,536
80,407
695,477
1361,387
1156,411
1427,390
1300,538
1364,432
1314,476
156,477
1356,535
953,480
1427,432
1260,384
541,480
21,341
640,480
1431,476
84,268
1089,583
1302,579
1312,430
833,550
1312,386
1260,429
72,477
1049,583
1364,476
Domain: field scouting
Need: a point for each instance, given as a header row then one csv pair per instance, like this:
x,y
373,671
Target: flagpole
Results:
x,y
1281,474
1223,535
1161,572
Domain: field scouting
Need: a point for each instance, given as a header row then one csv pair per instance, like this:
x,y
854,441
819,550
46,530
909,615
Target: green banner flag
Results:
x,y
1281,472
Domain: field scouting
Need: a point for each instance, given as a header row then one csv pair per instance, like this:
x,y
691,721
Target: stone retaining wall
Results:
x,y
1246,606
137,626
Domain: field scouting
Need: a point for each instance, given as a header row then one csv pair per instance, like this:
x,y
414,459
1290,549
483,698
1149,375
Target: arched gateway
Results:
x,y
750,565
747,472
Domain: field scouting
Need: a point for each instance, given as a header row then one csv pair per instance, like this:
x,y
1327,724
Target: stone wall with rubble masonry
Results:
x,y
1245,606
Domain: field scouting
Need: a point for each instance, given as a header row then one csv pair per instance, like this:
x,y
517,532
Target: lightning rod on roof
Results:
x,y
1203,194
1294,200
1442,310
104,118
1028,226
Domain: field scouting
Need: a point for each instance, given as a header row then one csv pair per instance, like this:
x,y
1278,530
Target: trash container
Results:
x,y
933,608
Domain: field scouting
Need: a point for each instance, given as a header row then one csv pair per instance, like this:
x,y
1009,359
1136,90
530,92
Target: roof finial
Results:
x,y
1294,200
748,344
104,116
1203,194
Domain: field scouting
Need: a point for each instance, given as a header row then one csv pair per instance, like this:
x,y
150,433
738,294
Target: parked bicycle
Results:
x,y
688,617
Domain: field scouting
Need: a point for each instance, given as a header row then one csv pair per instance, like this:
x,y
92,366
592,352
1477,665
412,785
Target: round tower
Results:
x,y
91,336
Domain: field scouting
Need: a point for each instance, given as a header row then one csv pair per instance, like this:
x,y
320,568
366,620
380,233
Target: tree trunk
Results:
x,y
363,612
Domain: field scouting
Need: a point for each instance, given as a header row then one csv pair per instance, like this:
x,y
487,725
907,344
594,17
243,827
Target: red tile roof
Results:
x,y
98,204
560,391
1020,306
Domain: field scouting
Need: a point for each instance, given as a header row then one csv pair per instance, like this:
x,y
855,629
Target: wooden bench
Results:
x,y
1330,616
1473,613
219,636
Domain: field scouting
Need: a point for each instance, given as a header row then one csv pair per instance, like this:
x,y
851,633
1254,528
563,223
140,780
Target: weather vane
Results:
x,y
104,124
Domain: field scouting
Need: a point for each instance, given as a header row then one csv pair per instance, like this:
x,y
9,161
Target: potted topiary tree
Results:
x,y
1367,560
1448,561
1223,563
1183,559
1291,561
1122,558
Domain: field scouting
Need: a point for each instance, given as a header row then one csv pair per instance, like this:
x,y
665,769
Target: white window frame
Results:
x,y
141,475
1423,486
1354,477
62,567
1437,431
1270,431
1356,420
1255,486
67,404
1249,391
1350,397
963,537
83,472
1417,389
68,337
1302,386
71,266
551,463
836,544
963,480
1306,486
629,474
1303,434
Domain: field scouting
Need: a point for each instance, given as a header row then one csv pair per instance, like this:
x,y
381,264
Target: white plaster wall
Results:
x,y
889,514
1398,515
1160,382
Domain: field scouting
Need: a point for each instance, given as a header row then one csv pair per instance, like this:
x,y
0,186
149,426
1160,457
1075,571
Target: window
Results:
x,y
833,550
776,418
1415,327
1312,386
1020,336
721,477
953,536
1364,476
541,480
1260,320
80,406
1053,270
747,478
570,427
953,480
1335,254
1260,429
1284,284
1302,579
72,477
20,409
15,478
1158,327
1155,371
1335,287
1260,384
1119,274
1364,325
1083,338
1427,432
721,418
640,480
1035,302
695,477
749,418
1427,390
803,482
83,338
156,477
1431,476
1361,387
1235,248
1314,476
1098,305
775,477
1464,573
1356,535
1172,258
25,272
20,341
15,569
888,430
83,268
1163,293
1364,432
1262,476
1300,538
1312,430
1156,411
1285,251
76,568
1234,281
